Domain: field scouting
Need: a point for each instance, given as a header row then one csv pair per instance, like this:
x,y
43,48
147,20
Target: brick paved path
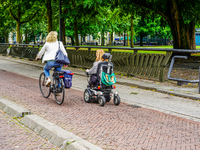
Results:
x,y
14,136
122,127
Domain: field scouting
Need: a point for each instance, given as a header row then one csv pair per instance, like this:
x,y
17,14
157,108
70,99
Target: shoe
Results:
x,y
57,94
48,82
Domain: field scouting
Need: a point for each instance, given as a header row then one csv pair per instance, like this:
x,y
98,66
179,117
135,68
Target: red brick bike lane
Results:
x,y
123,127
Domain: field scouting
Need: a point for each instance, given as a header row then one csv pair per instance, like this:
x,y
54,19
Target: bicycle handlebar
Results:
x,y
86,73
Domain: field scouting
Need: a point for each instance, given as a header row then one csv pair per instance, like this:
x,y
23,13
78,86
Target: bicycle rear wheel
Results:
x,y
45,90
60,92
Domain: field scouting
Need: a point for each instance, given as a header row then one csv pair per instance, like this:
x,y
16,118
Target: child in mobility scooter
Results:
x,y
101,82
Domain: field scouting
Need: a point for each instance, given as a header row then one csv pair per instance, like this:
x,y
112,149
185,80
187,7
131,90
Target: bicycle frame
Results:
x,y
56,77
57,86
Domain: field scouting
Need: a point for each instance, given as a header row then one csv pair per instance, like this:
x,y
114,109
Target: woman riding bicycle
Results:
x,y
49,50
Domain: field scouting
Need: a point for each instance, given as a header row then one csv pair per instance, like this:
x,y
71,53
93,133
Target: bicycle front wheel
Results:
x,y
45,90
60,92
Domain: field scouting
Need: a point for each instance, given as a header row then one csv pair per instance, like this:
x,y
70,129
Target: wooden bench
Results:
x,y
149,65
3,49
24,52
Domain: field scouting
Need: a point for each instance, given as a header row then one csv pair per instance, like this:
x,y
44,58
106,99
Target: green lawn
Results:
x,y
140,51
130,51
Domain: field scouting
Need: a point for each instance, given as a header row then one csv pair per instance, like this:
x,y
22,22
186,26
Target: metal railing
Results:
x,y
180,81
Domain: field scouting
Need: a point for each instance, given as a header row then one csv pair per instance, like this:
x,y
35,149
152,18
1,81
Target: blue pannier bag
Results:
x,y
68,78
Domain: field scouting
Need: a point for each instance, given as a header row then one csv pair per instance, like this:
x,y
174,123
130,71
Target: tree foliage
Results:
x,y
22,11
83,17
6,24
181,15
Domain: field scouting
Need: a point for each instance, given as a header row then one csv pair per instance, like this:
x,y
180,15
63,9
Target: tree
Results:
x,y
22,12
34,28
74,10
49,15
181,16
152,24
78,12
6,24
113,17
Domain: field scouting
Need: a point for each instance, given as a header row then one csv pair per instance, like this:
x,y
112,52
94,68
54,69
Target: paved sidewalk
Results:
x,y
53,134
130,124
186,92
131,91
15,136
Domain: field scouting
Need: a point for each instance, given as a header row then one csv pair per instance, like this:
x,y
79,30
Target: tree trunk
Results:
x,y
34,38
111,38
6,38
72,40
183,34
63,32
124,38
141,41
81,40
26,36
102,39
18,32
76,32
127,38
109,43
132,31
49,15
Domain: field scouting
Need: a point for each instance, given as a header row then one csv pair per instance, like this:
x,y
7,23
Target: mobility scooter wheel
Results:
x,y
87,96
116,99
101,100
108,98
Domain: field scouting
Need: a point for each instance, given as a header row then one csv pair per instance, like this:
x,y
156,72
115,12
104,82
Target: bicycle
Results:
x,y
57,87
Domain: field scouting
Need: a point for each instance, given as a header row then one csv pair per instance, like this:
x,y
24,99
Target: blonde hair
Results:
x,y
104,59
52,37
99,54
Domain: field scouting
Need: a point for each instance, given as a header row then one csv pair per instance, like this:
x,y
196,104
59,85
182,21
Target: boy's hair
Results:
x,y
52,37
99,54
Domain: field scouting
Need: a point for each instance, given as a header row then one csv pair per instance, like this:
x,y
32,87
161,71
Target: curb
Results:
x,y
56,135
13,109
160,90
179,94
139,85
